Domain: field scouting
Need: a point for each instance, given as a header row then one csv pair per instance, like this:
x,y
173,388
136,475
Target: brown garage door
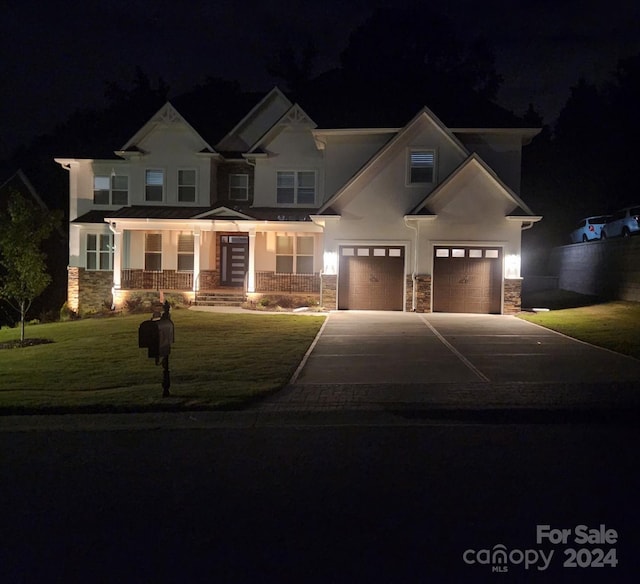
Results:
x,y
371,278
467,279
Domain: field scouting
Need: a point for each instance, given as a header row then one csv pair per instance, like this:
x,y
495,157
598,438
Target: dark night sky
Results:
x,y
56,56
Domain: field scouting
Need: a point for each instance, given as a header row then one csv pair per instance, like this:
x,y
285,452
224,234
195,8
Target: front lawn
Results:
x,y
613,325
218,360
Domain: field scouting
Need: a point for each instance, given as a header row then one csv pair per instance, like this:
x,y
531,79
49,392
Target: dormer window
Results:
x,y
296,187
421,166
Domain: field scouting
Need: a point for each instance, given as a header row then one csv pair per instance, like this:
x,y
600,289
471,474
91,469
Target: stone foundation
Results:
x,y
133,299
89,291
512,296
328,293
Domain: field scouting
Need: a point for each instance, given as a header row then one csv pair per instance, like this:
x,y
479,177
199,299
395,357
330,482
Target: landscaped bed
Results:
x,y
613,325
217,361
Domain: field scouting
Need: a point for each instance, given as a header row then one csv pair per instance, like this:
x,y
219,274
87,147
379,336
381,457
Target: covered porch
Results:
x,y
203,257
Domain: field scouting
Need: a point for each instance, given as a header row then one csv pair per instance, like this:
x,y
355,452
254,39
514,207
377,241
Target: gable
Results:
x,y
293,119
167,121
472,194
385,174
256,123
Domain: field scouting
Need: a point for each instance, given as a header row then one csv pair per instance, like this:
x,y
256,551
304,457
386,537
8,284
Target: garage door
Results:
x,y
371,278
467,279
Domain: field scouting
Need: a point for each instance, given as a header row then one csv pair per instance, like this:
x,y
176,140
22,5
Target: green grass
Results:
x,y
613,325
217,361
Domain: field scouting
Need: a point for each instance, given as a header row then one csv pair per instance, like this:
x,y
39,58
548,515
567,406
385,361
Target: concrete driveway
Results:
x,y
367,347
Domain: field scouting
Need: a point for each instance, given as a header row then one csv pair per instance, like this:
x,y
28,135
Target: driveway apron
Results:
x,y
367,347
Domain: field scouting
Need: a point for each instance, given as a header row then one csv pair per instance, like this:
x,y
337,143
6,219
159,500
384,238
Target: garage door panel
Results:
x,y
467,284
369,280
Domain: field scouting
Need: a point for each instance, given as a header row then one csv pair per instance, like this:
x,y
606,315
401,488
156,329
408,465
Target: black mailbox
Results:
x,y
156,336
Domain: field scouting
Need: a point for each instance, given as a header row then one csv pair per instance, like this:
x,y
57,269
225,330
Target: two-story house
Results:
x,y
422,217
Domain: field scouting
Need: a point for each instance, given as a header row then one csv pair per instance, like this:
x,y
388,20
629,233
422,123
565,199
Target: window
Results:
x,y
187,186
113,190
296,187
99,251
153,252
154,185
185,252
101,193
294,255
238,187
421,166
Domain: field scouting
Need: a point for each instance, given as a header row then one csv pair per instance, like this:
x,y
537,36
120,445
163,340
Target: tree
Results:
x,y
294,67
23,229
420,44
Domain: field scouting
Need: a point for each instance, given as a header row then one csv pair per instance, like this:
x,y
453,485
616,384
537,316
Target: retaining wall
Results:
x,y
609,268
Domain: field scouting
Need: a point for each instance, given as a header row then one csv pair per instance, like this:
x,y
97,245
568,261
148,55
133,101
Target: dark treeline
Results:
x,y
395,63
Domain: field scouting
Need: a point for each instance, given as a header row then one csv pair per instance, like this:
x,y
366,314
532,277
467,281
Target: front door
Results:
x,y
234,258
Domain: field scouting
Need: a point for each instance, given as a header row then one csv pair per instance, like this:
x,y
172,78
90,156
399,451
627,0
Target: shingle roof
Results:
x,y
142,212
157,212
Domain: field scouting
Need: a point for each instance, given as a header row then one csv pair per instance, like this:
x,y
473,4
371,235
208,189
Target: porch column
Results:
x,y
251,274
196,260
117,256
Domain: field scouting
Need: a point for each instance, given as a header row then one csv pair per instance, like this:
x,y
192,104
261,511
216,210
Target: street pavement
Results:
x,y
403,444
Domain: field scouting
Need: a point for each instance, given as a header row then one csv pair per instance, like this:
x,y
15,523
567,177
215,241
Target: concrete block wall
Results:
x,y
609,268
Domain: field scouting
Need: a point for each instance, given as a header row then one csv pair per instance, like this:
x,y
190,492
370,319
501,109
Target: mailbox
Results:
x,y
156,336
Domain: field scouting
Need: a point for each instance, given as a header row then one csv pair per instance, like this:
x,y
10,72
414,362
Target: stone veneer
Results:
x,y
89,290
512,296
328,292
423,293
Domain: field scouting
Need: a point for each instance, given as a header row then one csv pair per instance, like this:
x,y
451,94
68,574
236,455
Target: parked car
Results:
x,y
589,228
623,223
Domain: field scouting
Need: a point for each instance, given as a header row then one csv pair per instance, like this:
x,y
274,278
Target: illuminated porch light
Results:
x,y
512,266
330,262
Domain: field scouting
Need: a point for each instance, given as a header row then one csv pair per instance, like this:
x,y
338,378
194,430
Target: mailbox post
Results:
x,y
157,335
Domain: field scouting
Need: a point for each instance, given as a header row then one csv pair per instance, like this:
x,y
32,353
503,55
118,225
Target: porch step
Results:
x,y
219,299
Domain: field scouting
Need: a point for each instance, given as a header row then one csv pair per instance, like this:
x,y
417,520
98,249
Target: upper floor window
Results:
x,y
185,252
294,254
296,187
153,252
99,251
421,166
154,185
111,190
187,180
238,187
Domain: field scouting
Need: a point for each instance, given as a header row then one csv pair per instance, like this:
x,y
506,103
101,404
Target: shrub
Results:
x,y
134,304
67,314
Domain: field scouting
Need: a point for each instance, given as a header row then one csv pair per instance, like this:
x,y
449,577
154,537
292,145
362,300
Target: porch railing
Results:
x,y
135,279
275,282
164,280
